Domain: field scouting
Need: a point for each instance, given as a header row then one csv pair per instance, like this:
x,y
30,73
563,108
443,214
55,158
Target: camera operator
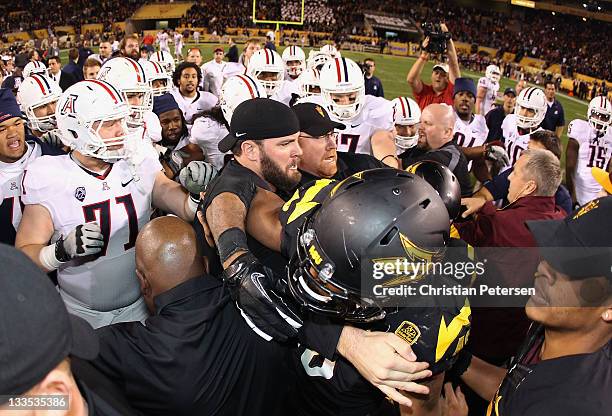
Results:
x,y
437,41
373,86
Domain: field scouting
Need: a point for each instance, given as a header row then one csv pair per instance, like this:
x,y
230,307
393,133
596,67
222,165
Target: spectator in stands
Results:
x,y
91,67
129,47
442,78
373,85
496,116
63,77
555,117
250,47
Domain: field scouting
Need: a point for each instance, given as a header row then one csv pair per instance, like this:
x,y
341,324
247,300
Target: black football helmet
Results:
x,y
443,180
372,216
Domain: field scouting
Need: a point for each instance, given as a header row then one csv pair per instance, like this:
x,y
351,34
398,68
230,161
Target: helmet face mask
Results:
x,y
144,96
599,113
38,91
493,73
342,78
406,113
268,68
109,149
270,80
295,60
530,108
159,80
309,83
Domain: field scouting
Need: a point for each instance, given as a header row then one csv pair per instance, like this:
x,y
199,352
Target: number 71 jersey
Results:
x,y
118,202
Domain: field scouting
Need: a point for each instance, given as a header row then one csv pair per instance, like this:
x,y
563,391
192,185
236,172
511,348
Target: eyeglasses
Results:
x,y
332,135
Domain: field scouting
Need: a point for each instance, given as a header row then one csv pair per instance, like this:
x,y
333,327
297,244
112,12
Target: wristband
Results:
x,y
192,205
47,257
231,241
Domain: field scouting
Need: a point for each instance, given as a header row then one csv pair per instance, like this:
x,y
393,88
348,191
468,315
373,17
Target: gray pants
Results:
x,y
137,311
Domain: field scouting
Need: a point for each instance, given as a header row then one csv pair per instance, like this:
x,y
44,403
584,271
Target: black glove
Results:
x,y
258,296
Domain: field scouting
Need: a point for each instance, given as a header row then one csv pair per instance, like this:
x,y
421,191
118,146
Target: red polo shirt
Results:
x,y
428,96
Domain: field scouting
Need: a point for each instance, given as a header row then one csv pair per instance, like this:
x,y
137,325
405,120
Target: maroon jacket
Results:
x,y
498,332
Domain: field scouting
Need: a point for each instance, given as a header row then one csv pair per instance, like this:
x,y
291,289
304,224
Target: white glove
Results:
x,y
498,154
196,176
86,239
54,138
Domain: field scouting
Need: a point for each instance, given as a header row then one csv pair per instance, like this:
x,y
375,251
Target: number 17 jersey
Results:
x,y
118,201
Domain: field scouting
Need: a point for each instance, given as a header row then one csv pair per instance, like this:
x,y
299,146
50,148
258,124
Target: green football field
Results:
x,y
392,71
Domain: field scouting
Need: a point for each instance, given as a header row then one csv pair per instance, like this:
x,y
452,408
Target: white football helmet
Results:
x,y
34,67
155,72
331,51
316,59
309,83
129,77
493,73
294,53
600,113
36,91
236,90
342,76
534,99
406,112
164,59
81,113
267,61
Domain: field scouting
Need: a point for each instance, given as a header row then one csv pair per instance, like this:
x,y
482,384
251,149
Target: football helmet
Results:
x,y
81,113
370,218
129,77
294,53
406,112
443,180
308,83
342,76
236,90
155,72
165,60
493,73
36,91
34,67
267,61
533,99
316,59
600,113
331,51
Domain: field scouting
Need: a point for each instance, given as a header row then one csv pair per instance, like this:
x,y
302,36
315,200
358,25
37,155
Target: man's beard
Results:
x,y
273,173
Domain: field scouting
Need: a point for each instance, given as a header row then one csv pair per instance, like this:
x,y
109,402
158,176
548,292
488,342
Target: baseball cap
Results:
x,y
8,105
442,66
36,331
580,245
218,50
464,84
314,120
260,119
510,90
603,178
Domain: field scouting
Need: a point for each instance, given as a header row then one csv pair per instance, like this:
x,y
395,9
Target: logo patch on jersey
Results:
x,y
409,332
320,111
588,207
68,106
105,186
79,193
13,186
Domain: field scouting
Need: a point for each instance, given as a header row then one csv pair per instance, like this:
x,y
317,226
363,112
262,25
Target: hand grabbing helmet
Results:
x,y
128,76
38,91
159,79
443,180
600,113
342,78
370,218
236,90
268,68
34,67
92,118
406,112
493,73
530,108
165,60
309,83
297,57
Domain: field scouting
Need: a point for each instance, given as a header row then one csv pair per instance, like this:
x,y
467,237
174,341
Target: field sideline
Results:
x,y
392,71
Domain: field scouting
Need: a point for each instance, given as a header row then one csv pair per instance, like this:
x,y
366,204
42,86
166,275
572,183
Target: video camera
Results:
x,y
438,40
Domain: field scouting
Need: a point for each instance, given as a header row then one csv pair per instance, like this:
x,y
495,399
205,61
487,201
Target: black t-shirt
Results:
x,y
573,385
348,164
495,118
450,155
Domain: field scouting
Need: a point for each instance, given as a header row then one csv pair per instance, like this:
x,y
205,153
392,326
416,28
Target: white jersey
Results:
x,y
212,76
514,142
285,92
594,151
377,114
233,68
152,127
207,133
470,134
178,43
491,94
203,101
11,190
162,39
118,202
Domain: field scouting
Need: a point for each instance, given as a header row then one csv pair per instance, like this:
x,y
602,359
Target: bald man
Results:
x,y
436,143
196,355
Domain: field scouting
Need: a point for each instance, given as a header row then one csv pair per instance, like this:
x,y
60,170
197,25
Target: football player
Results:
x,y
268,68
37,96
316,59
589,145
406,118
295,62
34,67
164,58
186,79
309,83
86,224
368,119
17,151
529,111
160,80
488,86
